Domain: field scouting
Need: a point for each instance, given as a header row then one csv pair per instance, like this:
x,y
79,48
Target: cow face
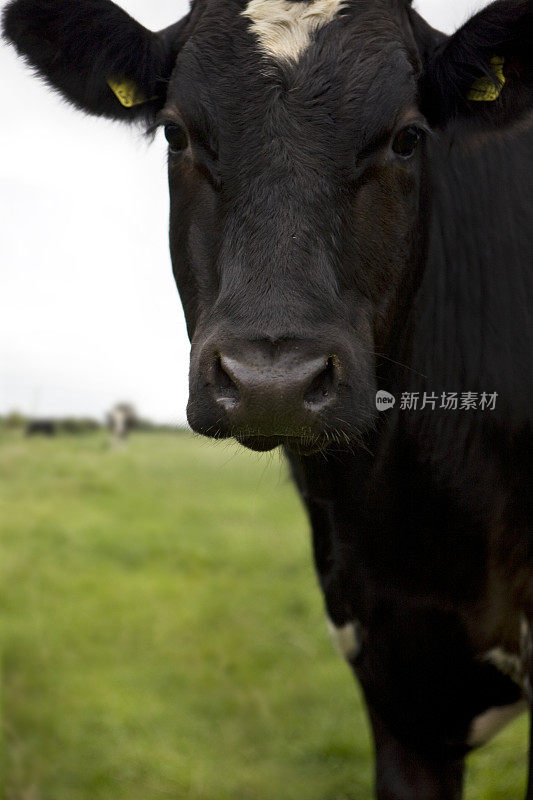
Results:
x,y
295,163
298,143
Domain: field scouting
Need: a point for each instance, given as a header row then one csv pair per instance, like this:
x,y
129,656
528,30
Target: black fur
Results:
x,y
295,227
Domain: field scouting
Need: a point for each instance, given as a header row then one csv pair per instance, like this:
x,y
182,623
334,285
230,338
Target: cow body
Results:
x,y
351,208
425,541
121,421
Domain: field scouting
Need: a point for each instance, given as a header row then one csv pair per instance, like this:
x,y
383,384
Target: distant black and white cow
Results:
x,y
351,231
121,420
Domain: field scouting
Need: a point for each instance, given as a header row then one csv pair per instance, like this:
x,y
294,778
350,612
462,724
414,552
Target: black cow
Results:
x,y
351,219
41,427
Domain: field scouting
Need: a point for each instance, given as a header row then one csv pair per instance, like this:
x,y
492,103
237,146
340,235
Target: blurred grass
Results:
x,y
163,634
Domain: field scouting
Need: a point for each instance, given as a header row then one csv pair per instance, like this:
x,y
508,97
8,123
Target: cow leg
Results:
x,y
404,774
526,642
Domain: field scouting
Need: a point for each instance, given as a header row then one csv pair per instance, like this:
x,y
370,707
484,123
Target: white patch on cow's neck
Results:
x,y
285,28
492,721
346,639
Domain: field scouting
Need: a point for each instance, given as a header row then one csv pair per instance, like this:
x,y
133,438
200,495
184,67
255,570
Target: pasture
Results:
x,y
163,634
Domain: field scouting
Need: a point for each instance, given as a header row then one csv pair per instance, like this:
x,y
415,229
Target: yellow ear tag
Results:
x,y
127,92
483,89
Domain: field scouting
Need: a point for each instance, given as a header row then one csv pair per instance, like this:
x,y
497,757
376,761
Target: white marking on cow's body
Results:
x,y
488,724
285,28
508,663
492,721
346,639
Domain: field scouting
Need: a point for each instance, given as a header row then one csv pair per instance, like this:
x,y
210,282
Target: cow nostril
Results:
x,y
322,386
225,388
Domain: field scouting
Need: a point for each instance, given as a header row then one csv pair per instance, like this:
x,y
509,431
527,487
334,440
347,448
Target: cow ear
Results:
x,y
94,54
485,70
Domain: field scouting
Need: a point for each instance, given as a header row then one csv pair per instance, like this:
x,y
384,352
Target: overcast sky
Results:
x,y
89,313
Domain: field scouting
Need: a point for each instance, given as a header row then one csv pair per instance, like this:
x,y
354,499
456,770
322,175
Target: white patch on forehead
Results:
x,y
346,639
492,721
285,28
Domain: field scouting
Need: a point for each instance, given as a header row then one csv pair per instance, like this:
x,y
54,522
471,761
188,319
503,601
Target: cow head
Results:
x,y
299,140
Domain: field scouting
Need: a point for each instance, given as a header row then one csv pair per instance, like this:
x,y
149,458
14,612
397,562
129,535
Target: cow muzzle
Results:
x,y
264,394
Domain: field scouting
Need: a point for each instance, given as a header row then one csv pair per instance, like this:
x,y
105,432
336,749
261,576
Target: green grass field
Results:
x,y
163,634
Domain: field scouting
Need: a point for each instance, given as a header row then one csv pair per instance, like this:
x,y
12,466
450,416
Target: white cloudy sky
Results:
x,y
88,312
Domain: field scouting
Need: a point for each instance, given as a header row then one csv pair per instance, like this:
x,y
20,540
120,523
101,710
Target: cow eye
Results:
x,y
406,141
177,138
